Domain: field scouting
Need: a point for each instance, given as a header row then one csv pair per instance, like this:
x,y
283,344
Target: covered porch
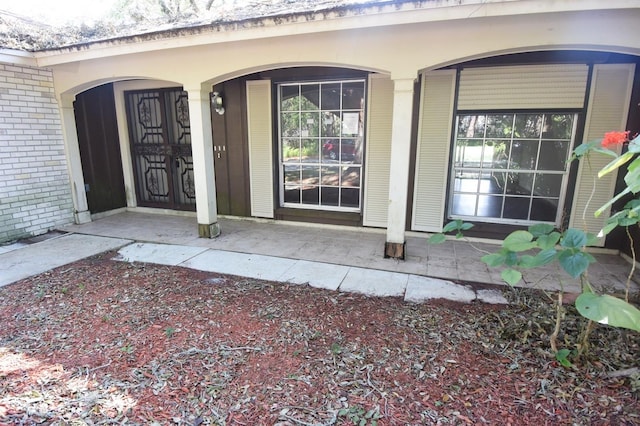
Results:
x,y
458,261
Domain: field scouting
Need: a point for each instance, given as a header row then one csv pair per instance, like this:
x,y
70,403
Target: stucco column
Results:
x,y
203,171
399,166
81,212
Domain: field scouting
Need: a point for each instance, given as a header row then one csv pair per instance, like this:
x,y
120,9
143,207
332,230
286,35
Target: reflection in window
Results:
x,y
511,168
321,140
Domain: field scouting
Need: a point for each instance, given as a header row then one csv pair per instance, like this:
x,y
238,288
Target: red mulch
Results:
x,y
106,342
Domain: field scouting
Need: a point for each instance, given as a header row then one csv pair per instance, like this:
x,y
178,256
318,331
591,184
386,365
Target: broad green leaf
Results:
x,y
494,259
634,145
574,263
592,239
583,149
610,310
628,221
510,258
527,261
519,241
511,276
542,258
546,242
546,256
436,239
452,226
614,164
574,238
540,229
605,151
608,227
611,201
562,356
632,204
465,226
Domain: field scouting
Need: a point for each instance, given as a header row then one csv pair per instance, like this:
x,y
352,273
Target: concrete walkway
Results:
x,y
334,258
25,260
371,282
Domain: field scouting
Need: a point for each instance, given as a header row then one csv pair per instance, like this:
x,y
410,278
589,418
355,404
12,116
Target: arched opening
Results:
x,y
314,172
505,167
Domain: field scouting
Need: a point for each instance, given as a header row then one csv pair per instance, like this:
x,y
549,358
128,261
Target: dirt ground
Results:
x,y
105,342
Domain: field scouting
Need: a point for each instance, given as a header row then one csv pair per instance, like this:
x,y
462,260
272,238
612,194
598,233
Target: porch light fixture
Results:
x,y
217,102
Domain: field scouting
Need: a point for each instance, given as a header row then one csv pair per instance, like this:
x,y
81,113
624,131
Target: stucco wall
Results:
x,y
35,194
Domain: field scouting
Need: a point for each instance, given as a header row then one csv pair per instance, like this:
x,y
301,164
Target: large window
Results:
x,y
511,168
321,137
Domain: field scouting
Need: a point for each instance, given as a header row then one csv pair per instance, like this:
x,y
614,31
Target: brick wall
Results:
x,y
35,194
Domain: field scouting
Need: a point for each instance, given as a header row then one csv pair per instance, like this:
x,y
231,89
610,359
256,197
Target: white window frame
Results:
x,y
481,169
360,166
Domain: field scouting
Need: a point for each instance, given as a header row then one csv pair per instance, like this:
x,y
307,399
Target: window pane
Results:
x,y
330,150
353,95
347,150
519,183
291,150
548,185
310,150
289,99
290,124
528,126
464,204
310,97
558,126
516,208
469,152
351,124
471,126
350,197
467,183
330,96
497,154
351,176
544,210
330,176
524,154
292,194
310,195
493,183
489,206
553,155
331,123
330,196
310,124
310,175
292,174
499,126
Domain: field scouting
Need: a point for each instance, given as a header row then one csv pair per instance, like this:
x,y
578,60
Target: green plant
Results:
x,y
542,244
169,331
127,349
455,225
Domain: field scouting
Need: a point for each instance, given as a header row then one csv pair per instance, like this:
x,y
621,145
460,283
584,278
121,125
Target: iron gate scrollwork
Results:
x,y
160,136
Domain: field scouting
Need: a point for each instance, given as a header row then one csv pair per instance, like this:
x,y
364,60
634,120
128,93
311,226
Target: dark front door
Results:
x,y
99,144
230,150
160,138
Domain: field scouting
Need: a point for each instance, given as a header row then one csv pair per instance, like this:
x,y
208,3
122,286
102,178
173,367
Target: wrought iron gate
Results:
x,y
160,137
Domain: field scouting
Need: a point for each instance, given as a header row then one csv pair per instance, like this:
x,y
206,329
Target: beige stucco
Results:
x,y
399,42
398,50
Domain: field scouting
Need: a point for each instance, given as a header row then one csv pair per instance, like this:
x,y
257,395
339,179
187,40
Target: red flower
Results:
x,y
614,139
